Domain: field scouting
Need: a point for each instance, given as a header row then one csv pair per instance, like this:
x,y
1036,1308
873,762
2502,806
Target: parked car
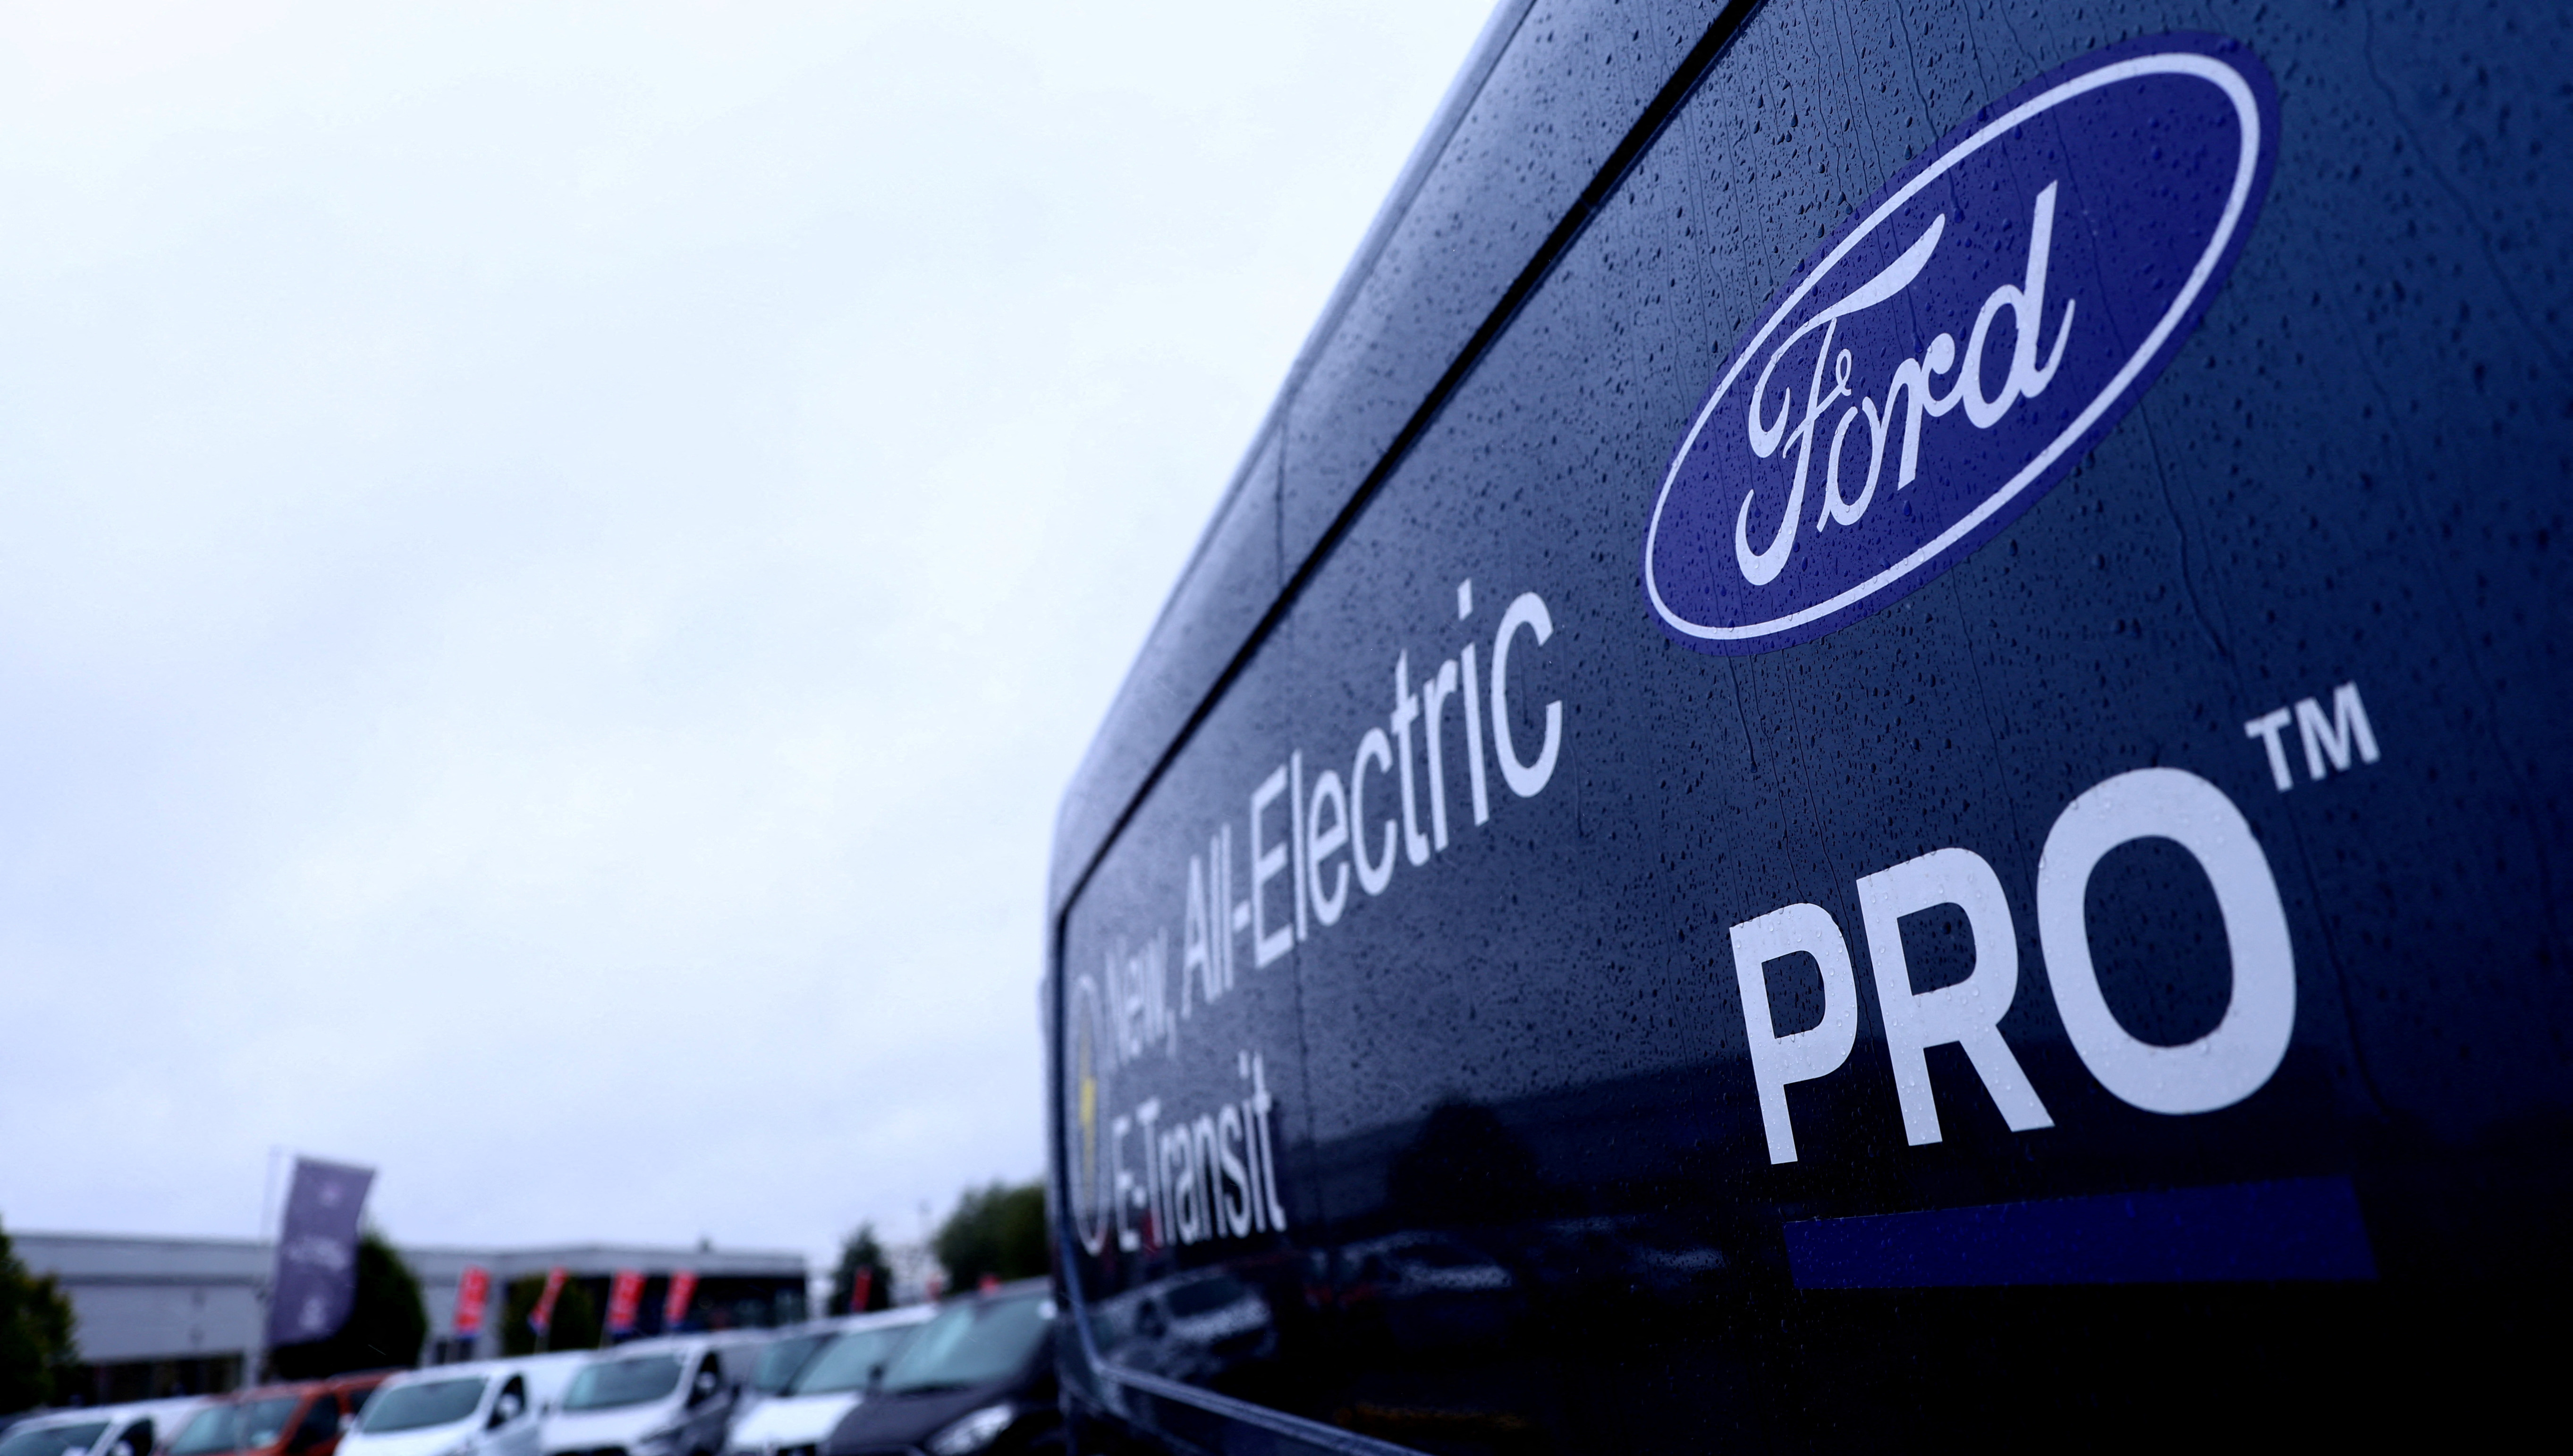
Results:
x,y
979,1376
133,1429
776,1364
828,1386
479,1409
306,1418
669,1397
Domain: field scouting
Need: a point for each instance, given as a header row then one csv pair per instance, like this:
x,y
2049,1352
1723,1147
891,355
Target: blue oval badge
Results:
x,y
1961,343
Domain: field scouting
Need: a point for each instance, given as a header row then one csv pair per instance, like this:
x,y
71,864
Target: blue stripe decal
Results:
x,y
2294,1228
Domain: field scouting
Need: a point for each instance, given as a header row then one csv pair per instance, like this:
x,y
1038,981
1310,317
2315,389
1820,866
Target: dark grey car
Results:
x,y
978,1377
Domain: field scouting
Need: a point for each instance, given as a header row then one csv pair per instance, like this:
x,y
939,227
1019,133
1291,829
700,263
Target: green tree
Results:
x,y
999,1230
860,1250
37,1356
575,1323
387,1321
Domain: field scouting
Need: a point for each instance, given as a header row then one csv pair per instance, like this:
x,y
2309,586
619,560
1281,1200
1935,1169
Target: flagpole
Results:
x,y
261,1292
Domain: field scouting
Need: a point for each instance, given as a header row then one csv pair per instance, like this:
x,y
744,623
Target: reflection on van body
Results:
x,y
1200,1328
1423,1291
1619,1260
1876,754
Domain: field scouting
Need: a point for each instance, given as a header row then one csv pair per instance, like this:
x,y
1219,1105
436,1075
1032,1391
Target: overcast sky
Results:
x,y
555,560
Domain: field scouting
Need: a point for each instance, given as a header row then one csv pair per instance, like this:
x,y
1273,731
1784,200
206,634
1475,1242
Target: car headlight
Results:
x,y
972,1432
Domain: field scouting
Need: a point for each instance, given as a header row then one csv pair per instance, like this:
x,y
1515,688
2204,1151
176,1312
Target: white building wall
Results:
x,y
118,1323
156,1300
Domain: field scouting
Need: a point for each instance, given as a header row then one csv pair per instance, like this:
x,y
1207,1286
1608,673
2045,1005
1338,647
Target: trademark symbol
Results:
x,y
2326,737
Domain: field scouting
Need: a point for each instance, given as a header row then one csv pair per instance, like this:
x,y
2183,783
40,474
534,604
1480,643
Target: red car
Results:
x,y
301,1419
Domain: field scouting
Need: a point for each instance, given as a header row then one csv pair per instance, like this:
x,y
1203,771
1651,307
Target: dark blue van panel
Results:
x,y
2112,983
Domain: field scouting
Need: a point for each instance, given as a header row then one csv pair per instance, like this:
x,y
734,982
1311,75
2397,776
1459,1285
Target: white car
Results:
x,y
483,1409
103,1430
776,1364
768,1369
799,1418
656,1397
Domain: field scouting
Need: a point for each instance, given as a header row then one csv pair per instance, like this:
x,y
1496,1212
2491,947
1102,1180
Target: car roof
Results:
x,y
72,1418
329,1384
679,1344
121,1411
883,1318
1041,1284
428,1373
271,1391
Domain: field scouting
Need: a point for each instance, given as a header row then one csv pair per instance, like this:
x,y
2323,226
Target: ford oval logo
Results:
x,y
1961,343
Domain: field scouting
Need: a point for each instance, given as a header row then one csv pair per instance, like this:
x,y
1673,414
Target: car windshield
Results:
x,y
429,1403
850,1362
212,1429
1202,1295
53,1440
779,1362
232,1427
611,1383
971,1344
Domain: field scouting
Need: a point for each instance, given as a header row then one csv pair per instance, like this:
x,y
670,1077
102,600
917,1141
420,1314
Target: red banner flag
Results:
x,y
683,1287
542,1318
473,1294
624,1293
860,1290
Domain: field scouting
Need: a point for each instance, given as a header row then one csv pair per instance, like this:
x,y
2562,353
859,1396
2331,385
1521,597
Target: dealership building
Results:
x,y
178,1316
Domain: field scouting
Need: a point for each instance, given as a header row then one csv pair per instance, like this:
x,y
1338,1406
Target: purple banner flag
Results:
x,y
317,1253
